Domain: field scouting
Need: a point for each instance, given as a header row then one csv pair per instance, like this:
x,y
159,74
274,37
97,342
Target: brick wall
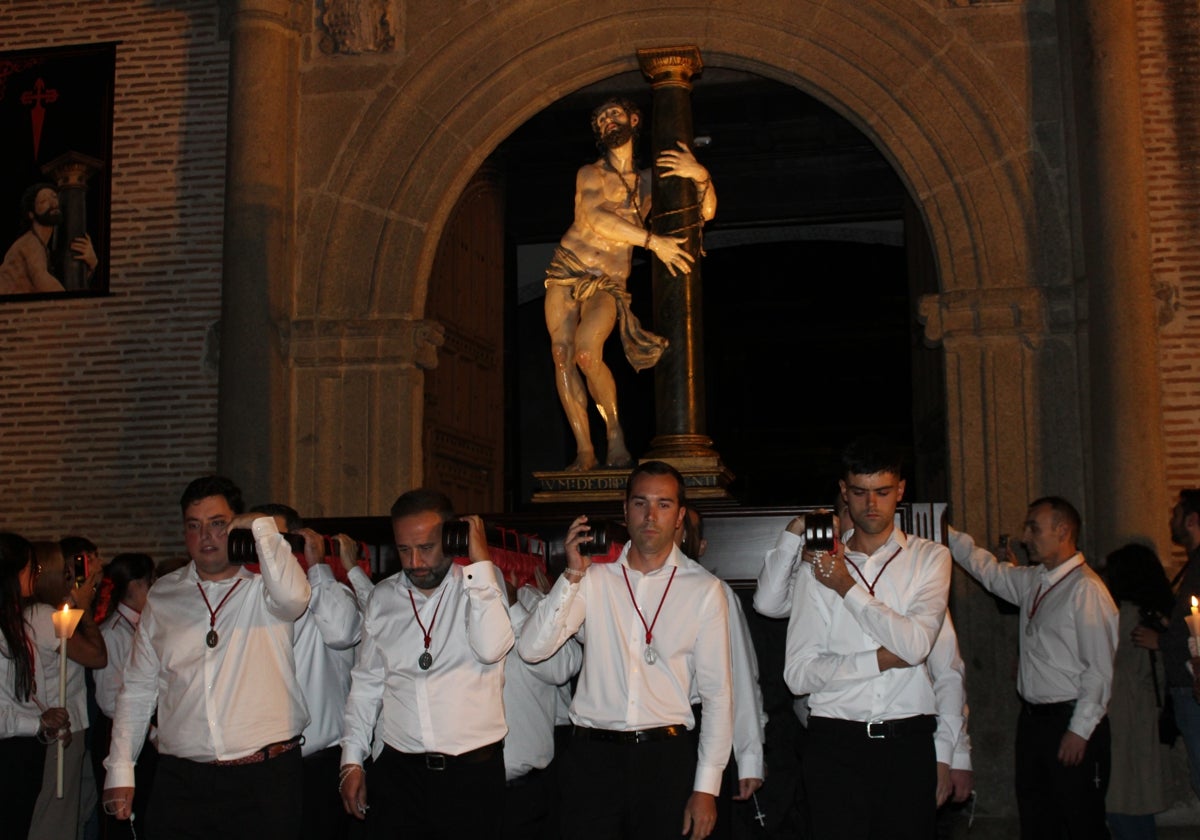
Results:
x,y
1168,34
108,405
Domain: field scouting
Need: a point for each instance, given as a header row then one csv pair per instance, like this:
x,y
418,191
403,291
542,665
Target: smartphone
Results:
x,y
81,568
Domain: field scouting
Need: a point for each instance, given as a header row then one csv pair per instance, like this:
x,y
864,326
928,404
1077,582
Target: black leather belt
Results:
x,y
1066,708
637,736
875,729
440,761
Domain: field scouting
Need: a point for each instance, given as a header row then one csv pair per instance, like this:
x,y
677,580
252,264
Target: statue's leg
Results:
x,y
599,314
562,321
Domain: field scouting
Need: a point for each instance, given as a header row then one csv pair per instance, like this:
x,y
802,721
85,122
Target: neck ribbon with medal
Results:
x,y
649,654
1040,596
212,638
426,659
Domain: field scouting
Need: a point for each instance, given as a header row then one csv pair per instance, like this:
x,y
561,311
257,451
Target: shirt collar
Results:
x,y
897,538
672,558
1053,576
242,572
129,613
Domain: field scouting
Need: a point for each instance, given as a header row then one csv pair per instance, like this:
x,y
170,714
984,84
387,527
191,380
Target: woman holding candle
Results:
x,y
25,725
54,817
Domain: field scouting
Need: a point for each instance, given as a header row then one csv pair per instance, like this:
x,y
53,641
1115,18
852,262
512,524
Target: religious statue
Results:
x,y
586,280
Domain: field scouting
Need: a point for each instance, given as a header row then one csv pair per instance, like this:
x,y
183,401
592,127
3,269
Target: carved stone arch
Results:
x,y
956,135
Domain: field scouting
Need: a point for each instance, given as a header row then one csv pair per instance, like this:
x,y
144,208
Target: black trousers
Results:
x,y
629,791
1056,801
531,806
22,761
324,816
410,799
195,801
862,787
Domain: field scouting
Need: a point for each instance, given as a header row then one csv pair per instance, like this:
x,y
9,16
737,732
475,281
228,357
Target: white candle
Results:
x,y
65,621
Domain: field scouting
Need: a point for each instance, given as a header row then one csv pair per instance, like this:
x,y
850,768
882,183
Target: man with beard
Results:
x,y
27,265
428,684
863,620
653,624
586,279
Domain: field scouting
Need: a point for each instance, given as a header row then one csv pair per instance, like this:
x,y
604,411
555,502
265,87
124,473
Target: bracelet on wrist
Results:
x,y
574,574
646,244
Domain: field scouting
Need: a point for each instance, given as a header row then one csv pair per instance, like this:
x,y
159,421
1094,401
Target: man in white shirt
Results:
x,y
324,643
531,698
1068,642
743,775
213,653
863,620
428,682
652,624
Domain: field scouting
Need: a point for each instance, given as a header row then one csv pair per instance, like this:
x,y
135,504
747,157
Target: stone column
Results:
x,y
253,443
678,300
1128,470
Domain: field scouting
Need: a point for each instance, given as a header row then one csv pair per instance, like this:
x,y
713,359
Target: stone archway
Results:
x,y
955,135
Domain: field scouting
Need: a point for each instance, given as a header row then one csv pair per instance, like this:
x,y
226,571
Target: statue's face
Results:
x,y
614,126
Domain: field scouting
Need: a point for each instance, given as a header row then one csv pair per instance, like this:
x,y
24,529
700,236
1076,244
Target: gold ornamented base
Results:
x,y
704,476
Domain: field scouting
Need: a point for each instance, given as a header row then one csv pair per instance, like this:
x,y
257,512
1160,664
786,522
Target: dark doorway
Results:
x,y
809,304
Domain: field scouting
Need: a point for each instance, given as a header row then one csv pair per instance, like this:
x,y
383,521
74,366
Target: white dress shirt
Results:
x,y
223,702
456,705
19,718
41,630
531,695
1069,643
324,649
362,585
118,632
948,673
832,640
617,689
749,719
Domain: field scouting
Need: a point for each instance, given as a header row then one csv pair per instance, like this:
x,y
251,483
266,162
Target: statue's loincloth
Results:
x,y
642,347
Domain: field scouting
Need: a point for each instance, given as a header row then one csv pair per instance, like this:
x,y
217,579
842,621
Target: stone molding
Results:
x,y
363,342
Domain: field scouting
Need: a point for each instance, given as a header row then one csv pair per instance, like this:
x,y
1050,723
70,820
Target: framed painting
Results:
x,y
56,121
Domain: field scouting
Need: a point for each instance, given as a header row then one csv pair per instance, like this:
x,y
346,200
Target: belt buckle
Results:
x,y
435,761
871,734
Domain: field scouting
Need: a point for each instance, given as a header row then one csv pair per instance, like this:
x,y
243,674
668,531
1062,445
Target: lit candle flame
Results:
x,y
1195,605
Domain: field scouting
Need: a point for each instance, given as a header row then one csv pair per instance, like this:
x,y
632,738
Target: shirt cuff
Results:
x,y
750,765
264,526
482,576
708,779
856,600
118,775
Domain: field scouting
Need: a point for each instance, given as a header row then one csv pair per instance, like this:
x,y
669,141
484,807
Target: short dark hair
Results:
x,y
292,519
869,455
1189,501
657,468
29,199
126,568
1063,511
423,500
1134,573
212,485
76,545
627,105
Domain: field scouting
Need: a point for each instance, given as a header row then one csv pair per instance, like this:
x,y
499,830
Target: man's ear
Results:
x,y
634,119
900,485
